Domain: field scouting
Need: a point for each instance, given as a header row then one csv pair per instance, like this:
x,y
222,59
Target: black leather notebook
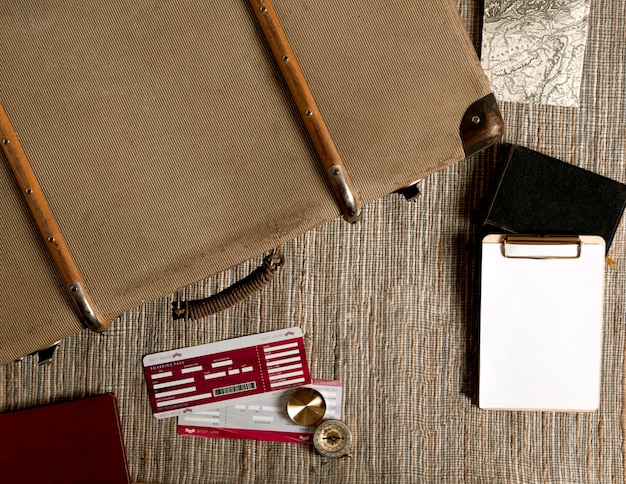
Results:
x,y
540,195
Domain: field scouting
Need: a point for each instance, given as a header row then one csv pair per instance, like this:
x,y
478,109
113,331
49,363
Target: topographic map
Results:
x,y
533,50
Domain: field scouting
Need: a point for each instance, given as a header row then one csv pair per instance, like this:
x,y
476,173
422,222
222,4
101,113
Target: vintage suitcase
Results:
x,y
134,114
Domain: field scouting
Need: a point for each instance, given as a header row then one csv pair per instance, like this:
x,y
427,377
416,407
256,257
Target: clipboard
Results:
x,y
541,322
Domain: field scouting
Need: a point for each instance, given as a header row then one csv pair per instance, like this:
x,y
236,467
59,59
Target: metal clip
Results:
x,y
44,356
85,308
541,247
411,192
338,177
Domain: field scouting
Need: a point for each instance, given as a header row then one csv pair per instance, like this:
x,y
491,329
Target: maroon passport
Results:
x,y
71,442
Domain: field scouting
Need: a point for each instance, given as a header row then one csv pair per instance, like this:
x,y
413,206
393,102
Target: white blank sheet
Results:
x,y
541,326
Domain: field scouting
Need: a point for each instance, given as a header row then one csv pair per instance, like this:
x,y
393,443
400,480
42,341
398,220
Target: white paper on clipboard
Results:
x,y
541,323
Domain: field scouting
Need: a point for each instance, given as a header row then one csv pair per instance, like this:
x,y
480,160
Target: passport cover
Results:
x,y
71,442
541,195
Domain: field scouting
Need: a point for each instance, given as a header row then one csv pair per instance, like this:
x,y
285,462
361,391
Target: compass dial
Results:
x,y
332,438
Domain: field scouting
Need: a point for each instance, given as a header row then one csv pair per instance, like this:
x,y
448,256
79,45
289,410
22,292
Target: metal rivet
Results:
x,y
286,58
263,9
5,141
308,112
475,119
74,289
50,239
336,171
29,190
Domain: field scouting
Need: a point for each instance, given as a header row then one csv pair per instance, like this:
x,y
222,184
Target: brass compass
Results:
x,y
306,407
333,438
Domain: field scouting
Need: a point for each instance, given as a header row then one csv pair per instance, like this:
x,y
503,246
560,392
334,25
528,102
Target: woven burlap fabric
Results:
x,y
389,307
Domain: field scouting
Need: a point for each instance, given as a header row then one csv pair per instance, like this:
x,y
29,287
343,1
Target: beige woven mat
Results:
x,y
389,307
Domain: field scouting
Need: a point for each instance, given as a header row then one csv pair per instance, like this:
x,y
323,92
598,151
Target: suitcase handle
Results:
x,y
240,290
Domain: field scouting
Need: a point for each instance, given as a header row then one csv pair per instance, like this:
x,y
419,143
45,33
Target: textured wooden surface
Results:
x,y
389,307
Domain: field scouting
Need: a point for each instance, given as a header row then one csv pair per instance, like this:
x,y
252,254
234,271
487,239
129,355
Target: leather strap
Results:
x,y
232,295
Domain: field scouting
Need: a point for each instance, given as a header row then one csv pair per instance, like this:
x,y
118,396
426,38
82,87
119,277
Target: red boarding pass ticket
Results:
x,y
264,419
234,371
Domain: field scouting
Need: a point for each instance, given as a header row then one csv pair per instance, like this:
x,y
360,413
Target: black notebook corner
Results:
x,y
541,195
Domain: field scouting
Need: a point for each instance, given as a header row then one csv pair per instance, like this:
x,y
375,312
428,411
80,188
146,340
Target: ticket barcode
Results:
x,y
242,387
